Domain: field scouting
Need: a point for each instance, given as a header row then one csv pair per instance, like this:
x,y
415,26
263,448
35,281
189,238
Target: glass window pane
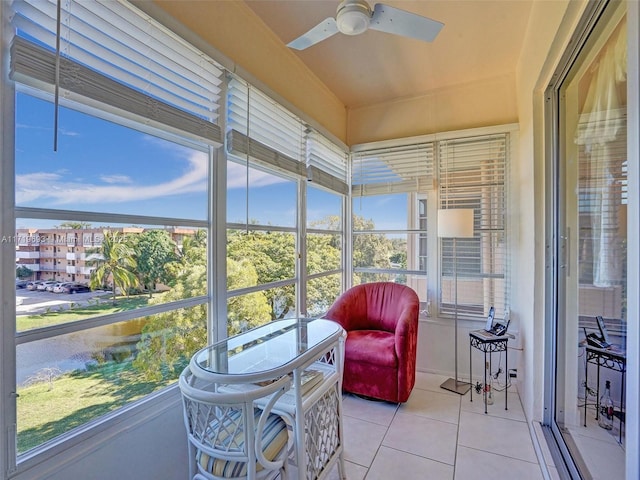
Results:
x,y
381,212
257,308
101,369
321,293
383,250
272,199
101,166
324,252
324,209
259,257
151,265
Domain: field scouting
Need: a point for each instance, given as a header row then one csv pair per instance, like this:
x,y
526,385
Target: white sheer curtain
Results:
x,y
602,133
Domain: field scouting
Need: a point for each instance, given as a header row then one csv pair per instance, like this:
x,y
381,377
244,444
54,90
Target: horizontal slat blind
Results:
x,y
393,170
242,146
602,198
326,163
253,114
472,175
107,43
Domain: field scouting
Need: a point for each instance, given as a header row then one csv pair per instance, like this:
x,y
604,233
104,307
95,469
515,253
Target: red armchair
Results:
x,y
381,320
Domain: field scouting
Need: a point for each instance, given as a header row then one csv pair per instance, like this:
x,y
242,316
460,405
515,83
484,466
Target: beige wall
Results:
x,y
458,107
236,32
550,27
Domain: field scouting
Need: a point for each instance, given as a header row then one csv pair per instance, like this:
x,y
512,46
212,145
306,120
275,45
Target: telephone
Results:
x,y
489,325
500,328
598,341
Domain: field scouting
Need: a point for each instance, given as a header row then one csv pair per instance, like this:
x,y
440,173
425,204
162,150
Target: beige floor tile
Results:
x,y
432,381
474,464
361,440
423,436
370,410
514,412
353,471
435,405
496,435
390,464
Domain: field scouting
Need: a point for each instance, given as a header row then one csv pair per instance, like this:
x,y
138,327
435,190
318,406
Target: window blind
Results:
x,y
112,53
326,163
473,175
602,198
393,170
262,129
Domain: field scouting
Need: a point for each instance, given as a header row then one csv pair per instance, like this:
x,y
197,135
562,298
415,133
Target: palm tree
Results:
x,y
115,259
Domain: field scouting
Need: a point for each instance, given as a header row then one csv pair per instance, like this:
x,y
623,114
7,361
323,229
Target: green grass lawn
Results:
x,y
49,409
57,315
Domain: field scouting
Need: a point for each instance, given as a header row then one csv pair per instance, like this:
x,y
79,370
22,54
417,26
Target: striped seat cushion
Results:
x,y
274,439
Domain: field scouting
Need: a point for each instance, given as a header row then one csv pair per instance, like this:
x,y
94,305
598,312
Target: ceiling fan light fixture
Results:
x,y
353,17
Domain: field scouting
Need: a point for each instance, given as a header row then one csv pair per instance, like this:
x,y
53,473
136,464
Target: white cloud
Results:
x,y
116,179
237,177
52,188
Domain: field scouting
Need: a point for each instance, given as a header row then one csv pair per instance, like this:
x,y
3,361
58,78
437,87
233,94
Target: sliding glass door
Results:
x,y
590,267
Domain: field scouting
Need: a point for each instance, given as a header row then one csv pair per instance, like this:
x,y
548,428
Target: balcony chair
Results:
x,y
229,437
381,320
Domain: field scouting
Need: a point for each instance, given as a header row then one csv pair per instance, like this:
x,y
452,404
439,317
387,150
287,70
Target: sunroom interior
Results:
x,y
280,179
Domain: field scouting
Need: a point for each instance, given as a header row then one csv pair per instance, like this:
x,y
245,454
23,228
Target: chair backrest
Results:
x,y
227,432
376,305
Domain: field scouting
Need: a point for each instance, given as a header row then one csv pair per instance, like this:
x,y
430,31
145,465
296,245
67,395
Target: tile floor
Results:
x,y
438,434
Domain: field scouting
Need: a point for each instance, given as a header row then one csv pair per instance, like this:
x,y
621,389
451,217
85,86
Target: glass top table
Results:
x,y
289,347
267,351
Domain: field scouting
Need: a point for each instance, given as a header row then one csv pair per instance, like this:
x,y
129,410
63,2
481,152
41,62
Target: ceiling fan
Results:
x,y
356,16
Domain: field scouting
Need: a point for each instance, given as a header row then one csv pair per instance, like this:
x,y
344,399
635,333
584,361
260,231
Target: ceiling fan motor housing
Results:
x,y
353,17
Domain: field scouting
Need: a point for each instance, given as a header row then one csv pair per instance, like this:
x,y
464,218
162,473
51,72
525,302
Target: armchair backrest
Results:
x,y
374,306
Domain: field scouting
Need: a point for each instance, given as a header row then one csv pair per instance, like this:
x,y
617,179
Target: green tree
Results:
x,y
370,250
74,225
323,255
23,272
169,339
114,260
192,252
154,250
245,311
272,255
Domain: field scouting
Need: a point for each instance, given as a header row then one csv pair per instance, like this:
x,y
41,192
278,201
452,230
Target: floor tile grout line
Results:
x,y
455,455
381,441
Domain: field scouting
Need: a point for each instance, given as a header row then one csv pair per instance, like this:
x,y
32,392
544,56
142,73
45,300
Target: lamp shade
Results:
x,y
455,223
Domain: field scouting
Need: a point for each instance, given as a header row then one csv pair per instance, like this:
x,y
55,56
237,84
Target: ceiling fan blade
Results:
x,y
400,22
323,30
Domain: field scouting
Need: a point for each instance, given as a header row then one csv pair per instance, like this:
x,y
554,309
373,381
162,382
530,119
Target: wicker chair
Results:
x,y
229,437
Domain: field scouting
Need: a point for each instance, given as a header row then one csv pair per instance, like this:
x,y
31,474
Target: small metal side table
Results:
x,y
612,359
488,343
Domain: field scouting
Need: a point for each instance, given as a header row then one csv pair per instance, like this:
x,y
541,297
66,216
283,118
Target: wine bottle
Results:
x,y
605,419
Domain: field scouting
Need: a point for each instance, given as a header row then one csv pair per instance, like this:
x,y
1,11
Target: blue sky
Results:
x,y
105,167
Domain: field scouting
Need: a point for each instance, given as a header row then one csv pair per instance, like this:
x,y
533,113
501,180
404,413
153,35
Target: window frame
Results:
x,y
11,338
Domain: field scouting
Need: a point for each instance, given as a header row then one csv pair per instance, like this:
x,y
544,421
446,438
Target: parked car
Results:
x,y
59,287
49,287
75,288
33,285
21,283
43,286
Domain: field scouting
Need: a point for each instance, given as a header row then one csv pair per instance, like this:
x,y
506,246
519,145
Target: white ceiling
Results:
x,y
481,39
